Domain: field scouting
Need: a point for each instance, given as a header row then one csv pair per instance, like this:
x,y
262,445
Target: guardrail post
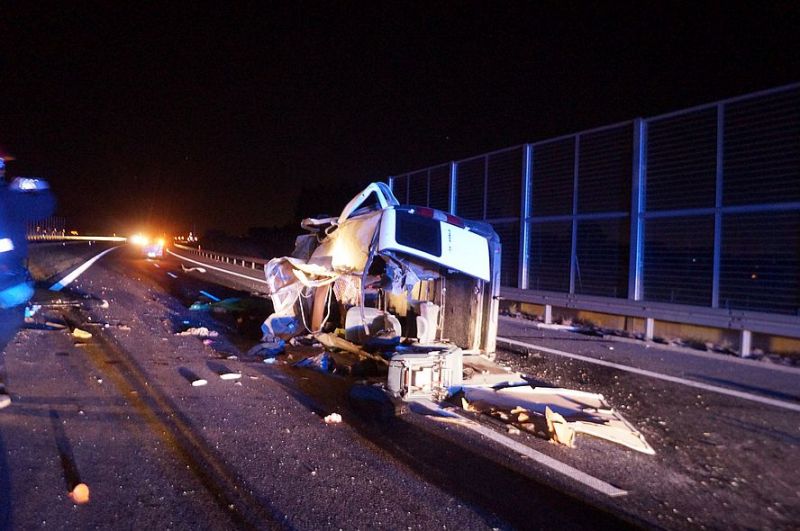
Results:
x,y
548,314
745,343
649,328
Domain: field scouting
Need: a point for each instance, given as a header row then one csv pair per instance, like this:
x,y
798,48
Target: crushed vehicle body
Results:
x,y
415,277
416,289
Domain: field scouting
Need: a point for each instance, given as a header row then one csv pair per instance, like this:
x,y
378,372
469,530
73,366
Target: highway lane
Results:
x,y
118,413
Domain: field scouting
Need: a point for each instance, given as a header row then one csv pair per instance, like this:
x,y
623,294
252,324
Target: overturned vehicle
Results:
x,y
418,285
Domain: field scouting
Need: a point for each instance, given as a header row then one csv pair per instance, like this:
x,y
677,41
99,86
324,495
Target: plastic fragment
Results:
x,y
333,418
81,334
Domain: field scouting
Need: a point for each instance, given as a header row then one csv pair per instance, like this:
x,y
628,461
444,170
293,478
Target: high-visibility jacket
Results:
x,y
21,202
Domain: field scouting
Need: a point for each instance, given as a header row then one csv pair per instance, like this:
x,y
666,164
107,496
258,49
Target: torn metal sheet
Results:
x,y
568,411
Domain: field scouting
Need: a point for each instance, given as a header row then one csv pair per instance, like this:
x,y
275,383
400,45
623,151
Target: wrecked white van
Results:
x,y
413,277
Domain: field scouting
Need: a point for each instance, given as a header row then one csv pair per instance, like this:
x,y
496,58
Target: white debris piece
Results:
x,y
230,375
568,412
81,334
199,382
333,418
200,331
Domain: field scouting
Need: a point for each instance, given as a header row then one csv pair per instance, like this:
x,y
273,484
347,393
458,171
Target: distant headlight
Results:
x,y
138,239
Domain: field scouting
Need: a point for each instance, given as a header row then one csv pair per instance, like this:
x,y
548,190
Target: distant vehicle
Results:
x,y
150,247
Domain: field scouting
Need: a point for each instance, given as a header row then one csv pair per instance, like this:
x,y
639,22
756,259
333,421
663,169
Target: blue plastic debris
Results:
x,y
321,362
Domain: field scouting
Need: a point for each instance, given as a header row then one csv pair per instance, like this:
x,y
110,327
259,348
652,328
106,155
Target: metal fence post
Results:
x,y
637,207
524,227
718,208
573,257
453,187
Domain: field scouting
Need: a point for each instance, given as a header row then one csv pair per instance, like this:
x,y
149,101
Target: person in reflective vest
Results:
x,y
21,201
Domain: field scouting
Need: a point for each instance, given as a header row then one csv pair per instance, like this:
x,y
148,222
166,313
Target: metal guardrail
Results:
x,y
61,238
248,262
745,322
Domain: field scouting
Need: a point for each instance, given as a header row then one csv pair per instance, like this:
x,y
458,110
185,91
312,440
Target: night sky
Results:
x,y
216,118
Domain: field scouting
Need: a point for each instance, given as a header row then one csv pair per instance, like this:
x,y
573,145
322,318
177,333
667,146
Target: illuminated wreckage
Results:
x,y
418,289
398,273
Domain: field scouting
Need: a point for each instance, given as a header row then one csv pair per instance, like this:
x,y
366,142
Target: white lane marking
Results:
x,y
674,379
173,275
554,464
217,268
64,282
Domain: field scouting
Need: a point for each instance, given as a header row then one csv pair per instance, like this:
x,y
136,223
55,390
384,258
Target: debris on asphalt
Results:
x,y
124,328
270,361
81,334
190,269
192,377
200,331
559,429
334,341
79,494
567,412
268,348
208,341
333,418
230,375
104,304
321,362
55,326
31,310
210,296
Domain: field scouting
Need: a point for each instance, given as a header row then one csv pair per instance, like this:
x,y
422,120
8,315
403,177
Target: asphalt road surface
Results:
x,y
118,413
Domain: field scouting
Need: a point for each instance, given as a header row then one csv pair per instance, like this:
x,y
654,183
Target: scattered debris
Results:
x,y
210,296
81,334
173,275
54,325
80,494
270,361
208,341
321,362
425,374
192,377
567,411
269,348
334,341
124,328
333,418
230,375
190,269
200,331
559,429
104,304
31,310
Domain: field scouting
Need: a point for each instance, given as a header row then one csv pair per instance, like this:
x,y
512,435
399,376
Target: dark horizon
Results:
x,y
183,117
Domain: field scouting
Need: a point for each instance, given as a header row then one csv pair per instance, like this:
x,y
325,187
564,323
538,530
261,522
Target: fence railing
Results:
x,y
696,208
